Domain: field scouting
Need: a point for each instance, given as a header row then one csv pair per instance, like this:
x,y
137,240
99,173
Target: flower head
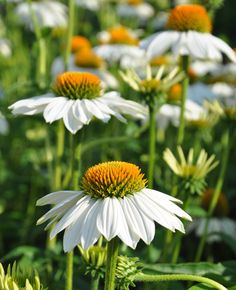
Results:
x,y
189,34
152,86
191,170
189,17
77,97
113,202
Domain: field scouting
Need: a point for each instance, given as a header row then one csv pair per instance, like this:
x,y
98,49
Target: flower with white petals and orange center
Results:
x,y
188,33
77,98
113,202
189,17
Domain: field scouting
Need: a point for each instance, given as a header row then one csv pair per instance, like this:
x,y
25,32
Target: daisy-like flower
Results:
x,y
152,86
113,202
169,114
77,98
189,34
50,14
118,43
135,9
225,108
219,223
191,170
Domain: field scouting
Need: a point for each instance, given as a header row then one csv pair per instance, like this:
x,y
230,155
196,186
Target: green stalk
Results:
x,y
152,145
70,31
185,65
224,162
112,254
42,60
95,284
179,235
69,271
178,277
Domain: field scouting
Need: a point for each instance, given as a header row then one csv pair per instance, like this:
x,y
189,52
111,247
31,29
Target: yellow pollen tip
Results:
x,y
121,35
87,58
113,179
79,42
189,17
77,85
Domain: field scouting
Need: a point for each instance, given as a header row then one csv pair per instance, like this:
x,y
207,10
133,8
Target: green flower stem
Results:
x,y
95,284
69,271
185,65
57,173
179,235
70,31
112,254
42,60
178,277
152,145
224,162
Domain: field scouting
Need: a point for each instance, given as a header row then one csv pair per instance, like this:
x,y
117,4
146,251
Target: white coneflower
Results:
x,y
117,43
77,98
51,14
189,34
114,201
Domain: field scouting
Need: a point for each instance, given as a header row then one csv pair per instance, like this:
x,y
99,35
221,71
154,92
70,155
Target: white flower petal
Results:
x,y
55,109
70,121
81,113
140,223
108,218
58,196
90,233
71,215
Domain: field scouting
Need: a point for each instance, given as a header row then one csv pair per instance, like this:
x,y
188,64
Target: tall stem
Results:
x,y
41,65
70,31
69,271
185,65
178,277
95,284
152,145
112,254
224,162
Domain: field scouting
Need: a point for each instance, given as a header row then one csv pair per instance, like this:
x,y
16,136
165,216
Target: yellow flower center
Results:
x,y
230,112
149,86
121,35
87,58
135,2
200,123
189,17
79,42
174,93
77,85
113,179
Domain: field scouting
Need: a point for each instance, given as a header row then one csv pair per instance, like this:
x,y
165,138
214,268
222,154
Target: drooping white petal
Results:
x,y
223,47
55,109
96,111
90,233
165,203
126,233
108,218
153,211
70,121
140,223
58,196
71,215
81,113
